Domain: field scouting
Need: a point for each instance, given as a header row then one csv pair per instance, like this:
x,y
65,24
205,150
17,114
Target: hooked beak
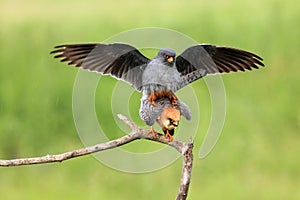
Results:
x,y
170,59
175,123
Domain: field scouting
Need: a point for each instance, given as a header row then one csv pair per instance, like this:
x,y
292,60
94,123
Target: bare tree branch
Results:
x,y
136,133
187,159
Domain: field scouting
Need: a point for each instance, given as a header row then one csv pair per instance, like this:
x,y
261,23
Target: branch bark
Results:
x,y
136,133
187,163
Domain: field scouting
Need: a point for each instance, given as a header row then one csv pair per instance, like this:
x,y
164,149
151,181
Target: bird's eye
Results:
x,y
166,56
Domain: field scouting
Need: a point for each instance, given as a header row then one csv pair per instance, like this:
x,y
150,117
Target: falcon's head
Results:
x,y
167,56
170,118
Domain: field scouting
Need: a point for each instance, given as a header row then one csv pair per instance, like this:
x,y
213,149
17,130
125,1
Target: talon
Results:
x,y
153,102
173,98
174,102
168,135
152,131
152,99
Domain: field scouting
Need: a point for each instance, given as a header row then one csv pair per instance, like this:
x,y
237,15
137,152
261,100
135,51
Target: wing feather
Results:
x,y
118,60
215,59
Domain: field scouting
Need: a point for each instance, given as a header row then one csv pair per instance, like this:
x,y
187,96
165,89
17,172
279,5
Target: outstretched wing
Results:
x,y
118,60
213,59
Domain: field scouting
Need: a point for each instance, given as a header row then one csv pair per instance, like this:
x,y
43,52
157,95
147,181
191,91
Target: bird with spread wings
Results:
x,y
159,78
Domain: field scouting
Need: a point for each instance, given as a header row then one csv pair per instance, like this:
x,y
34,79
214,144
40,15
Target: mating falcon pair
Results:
x,y
158,79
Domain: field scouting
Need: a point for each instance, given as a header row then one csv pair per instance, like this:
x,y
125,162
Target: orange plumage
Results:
x,y
168,121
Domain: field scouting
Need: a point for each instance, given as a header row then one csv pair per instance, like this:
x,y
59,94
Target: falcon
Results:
x,y
160,77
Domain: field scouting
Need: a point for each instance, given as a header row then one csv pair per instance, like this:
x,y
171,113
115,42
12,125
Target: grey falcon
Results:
x,y
161,76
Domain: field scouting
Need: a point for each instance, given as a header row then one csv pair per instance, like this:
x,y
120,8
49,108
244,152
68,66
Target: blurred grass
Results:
x,y
257,154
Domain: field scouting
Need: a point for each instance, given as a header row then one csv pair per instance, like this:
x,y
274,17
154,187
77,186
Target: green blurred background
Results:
x,y
257,156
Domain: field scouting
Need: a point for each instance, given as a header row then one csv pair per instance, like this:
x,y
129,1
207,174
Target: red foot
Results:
x,y
168,135
152,131
174,100
159,94
152,98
